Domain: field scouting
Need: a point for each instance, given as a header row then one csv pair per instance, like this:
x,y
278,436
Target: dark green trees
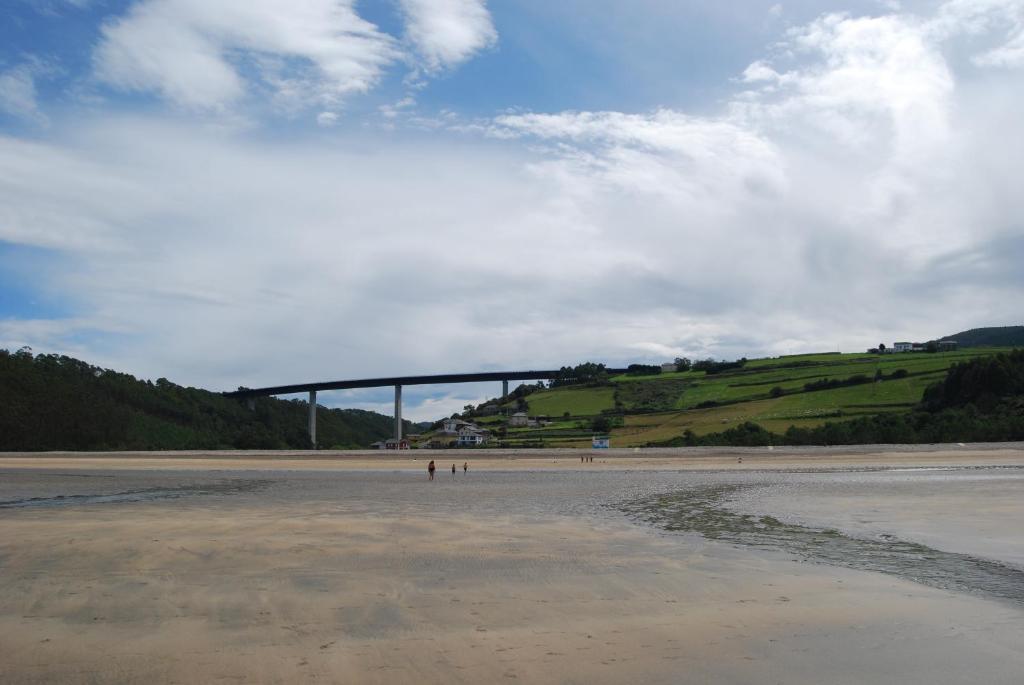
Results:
x,y
55,402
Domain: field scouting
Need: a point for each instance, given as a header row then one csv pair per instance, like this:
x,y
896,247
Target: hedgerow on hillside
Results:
x,y
981,400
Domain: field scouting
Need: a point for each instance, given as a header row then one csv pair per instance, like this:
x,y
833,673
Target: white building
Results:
x,y
902,346
472,437
455,425
391,444
519,420
668,367
459,433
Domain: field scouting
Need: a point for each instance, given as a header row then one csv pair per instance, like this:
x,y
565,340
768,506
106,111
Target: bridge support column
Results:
x,y
398,412
504,389
312,418
251,403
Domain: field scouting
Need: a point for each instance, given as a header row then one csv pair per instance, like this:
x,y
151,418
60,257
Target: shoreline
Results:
x,y
682,458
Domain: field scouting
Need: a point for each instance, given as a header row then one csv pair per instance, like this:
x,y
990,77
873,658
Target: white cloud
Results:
x,y
681,157
299,53
1003,19
209,55
18,92
327,118
760,71
394,110
419,403
446,33
859,187
872,72
878,96
1011,54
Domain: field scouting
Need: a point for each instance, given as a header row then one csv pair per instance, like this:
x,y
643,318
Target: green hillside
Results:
x,y
575,401
803,391
51,402
1002,336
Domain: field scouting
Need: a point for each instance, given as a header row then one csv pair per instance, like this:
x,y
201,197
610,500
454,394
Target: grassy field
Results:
x,y
744,394
661,407
803,409
576,401
757,380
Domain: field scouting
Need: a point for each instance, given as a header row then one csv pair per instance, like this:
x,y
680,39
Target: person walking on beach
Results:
x,y
465,466
453,470
430,469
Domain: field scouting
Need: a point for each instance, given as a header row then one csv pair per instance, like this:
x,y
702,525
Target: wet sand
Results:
x,y
280,569
684,458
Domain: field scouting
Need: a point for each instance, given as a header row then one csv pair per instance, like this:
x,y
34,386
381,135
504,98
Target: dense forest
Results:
x,y
981,400
54,402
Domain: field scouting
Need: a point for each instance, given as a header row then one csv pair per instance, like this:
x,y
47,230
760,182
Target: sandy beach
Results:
x,y
532,567
687,458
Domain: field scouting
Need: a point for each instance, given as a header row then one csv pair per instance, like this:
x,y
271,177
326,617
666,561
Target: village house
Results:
x,y
391,444
941,346
519,420
668,367
453,425
458,433
472,436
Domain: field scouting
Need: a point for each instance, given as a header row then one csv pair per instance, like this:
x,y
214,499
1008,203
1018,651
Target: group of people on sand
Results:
x,y
587,458
431,468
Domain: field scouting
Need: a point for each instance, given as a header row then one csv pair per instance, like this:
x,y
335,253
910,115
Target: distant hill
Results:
x,y
1002,336
51,402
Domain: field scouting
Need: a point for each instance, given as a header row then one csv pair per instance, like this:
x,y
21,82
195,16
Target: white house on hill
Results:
x,y
472,436
519,420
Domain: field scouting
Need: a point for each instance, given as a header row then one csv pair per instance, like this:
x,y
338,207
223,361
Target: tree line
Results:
x,y
56,402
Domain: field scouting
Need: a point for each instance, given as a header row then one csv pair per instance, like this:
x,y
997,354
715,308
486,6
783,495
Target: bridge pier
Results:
x,y
251,403
398,412
504,389
312,418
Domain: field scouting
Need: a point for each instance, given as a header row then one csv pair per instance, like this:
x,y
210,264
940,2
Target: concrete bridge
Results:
x,y
250,394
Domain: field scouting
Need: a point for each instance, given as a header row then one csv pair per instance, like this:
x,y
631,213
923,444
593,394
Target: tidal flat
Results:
x,y
791,567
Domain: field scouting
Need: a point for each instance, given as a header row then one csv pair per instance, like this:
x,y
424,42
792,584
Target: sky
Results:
x,y
261,192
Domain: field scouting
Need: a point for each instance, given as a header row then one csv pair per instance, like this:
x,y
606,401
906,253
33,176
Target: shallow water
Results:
x,y
224,487
705,510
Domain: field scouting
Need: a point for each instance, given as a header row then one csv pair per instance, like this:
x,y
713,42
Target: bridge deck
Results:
x,y
401,380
